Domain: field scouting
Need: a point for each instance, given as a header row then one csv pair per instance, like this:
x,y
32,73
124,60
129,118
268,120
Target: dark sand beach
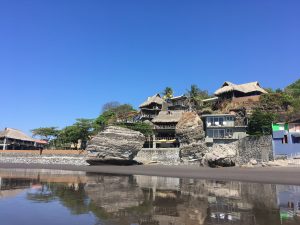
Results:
x,y
276,175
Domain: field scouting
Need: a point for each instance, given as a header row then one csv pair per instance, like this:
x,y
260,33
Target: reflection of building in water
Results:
x,y
10,187
145,200
288,201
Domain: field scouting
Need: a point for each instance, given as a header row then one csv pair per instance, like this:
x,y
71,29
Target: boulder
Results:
x,y
189,129
191,135
115,145
221,155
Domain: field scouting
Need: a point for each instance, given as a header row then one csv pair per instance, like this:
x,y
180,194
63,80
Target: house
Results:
x,y
164,125
222,128
151,107
286,138
178,103
13,139
240,92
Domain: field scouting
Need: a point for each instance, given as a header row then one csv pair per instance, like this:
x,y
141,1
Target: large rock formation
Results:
x,y
189,129
221,155
191,135
115,145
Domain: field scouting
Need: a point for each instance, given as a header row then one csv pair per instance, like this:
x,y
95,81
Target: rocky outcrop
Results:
x,y
223,155
189,129
191,135
115,145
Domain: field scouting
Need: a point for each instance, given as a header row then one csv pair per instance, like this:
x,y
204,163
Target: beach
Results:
x,y
271,175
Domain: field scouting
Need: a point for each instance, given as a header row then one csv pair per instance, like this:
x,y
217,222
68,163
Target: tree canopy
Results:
x,y
196,95
260,123
45,133
168,93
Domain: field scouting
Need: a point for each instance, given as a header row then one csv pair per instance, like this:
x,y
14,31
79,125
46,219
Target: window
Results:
x,y
217,133
216,121
210,133
295,139
229,132
209,121
221,120
221,133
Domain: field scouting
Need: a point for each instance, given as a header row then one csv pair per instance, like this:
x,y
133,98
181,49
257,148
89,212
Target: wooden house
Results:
x,y
151,107
13,139
164,129
240,92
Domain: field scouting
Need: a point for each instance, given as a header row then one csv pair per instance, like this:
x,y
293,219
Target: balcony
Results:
x,y
165,127
218,124
165,138
149,116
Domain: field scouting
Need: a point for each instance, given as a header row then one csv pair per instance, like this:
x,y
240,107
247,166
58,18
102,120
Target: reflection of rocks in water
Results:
x,y
146,200
114,193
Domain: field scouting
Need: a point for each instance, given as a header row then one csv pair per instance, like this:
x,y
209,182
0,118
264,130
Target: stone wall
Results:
x,y
255,147
32,158
160,155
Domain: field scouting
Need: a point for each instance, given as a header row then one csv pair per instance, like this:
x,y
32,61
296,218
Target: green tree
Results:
x,y
196,95
142,127
109,106
276,101
82,129
104,120
260,123
293,89
45,133
112,114
168,93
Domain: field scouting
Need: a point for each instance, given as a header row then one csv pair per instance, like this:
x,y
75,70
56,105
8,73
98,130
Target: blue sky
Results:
x,y
63,59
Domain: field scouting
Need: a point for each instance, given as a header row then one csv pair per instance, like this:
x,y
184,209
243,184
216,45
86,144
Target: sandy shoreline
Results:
x,y
272,175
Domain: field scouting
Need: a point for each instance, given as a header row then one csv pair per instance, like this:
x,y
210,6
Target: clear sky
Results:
x,y
63,59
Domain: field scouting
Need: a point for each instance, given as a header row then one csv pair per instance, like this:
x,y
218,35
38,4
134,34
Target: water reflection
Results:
x,y
146,200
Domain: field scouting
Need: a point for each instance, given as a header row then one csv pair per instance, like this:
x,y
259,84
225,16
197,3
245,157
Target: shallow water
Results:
x,y
61,197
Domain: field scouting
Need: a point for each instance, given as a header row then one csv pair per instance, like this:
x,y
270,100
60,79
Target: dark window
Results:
x,y
285,139
221,119
295,140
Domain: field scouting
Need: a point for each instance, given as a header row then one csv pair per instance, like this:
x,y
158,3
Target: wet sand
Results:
x,y
272,175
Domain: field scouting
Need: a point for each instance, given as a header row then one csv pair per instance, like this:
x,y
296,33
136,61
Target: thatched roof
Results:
x,y
154,99
15,134
171,116
244,88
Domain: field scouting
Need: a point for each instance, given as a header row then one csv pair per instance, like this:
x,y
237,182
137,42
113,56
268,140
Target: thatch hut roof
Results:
x,y
154,99
171,116
15,134
244,88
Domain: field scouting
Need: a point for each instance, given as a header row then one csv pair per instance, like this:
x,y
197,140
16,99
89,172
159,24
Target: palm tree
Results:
x,y
168,92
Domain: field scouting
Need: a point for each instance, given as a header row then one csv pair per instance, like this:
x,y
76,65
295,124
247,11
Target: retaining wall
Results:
x,y
255,147
160,155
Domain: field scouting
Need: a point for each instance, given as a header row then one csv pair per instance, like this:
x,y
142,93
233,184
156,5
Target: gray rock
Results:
x,y
191,135
253,162
223,155
115,145
189,129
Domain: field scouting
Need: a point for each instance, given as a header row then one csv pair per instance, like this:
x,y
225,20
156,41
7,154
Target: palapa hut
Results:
x,y
13,139
178,103
230,90
151,107
164,129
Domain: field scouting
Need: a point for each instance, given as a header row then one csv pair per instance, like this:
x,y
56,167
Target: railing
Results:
x,y
148,116
164,127
165,138
220,125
